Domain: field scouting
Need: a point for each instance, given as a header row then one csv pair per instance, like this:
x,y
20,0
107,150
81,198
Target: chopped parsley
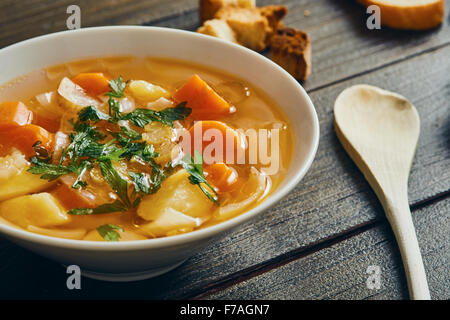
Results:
x,y
141,117
117,87
195,169
109,232
90,146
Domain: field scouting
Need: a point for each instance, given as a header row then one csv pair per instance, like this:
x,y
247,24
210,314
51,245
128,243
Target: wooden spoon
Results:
x,y
379,130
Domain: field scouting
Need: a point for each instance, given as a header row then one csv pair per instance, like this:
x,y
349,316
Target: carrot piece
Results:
x,y
47,123
203,135
223,177
24,137
205,103
93,83
14,114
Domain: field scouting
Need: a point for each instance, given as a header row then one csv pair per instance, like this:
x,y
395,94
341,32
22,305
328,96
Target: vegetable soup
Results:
x,y
127,148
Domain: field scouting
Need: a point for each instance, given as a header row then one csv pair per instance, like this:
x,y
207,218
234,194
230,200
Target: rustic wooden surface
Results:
x,y
318,242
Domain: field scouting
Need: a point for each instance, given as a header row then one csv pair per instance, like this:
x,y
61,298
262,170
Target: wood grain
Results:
x,y
339,272
332,200
331,203
342,45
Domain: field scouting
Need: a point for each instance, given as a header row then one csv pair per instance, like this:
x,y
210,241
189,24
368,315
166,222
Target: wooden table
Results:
x,y
319,241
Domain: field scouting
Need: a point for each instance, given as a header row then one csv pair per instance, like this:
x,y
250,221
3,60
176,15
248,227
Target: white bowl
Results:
x,y
134,260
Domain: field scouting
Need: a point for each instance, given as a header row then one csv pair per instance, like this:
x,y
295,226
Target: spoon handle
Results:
x,y
401,222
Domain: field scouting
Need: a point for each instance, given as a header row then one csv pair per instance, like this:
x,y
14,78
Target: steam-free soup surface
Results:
x,y
126,148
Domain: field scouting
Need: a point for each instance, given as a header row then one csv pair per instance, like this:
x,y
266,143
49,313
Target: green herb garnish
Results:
x,y
109,233
141,117
117,87
195,169
90,147
116,206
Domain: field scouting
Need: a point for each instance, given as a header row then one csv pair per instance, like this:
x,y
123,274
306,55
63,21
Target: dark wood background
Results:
x,y
318,242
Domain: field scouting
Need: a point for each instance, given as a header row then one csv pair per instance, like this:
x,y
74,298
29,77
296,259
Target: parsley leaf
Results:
x,y
141,182
195,169
47,170
117,183
141,117
115,206
109,233
130,133
93,114
117,87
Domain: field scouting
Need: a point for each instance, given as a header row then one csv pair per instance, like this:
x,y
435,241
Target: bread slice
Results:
x,y
409,14
291,49
208,8
249,25
218,28
274,15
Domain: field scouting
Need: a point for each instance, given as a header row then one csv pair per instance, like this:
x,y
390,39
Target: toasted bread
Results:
x,y
208,8
250,26
219,29
409,14
291,49
274,15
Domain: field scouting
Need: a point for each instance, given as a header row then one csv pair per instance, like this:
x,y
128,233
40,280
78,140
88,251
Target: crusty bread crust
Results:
x,y
411,16
250,26
274,15
208,8
219,29
291,49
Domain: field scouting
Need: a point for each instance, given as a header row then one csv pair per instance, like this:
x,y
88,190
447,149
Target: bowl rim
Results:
x,y
195,235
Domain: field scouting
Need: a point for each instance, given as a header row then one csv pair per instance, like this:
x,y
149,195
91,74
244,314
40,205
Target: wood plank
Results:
x,y
339,272
331,200
30,18
342,45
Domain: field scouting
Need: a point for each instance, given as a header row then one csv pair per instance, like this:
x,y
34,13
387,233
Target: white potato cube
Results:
x,y
179,194
15,180
41,209
147,92
170,221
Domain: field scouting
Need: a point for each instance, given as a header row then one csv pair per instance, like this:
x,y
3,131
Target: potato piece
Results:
x,y
162,137
41,210
125,235
176,193
15,180
75,234
147,92
157,133
72,97
170,221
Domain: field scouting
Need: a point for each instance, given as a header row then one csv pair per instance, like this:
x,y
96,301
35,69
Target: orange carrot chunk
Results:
x,y
223,177
93,83
205,103
216,141
47,123
23,138
14,114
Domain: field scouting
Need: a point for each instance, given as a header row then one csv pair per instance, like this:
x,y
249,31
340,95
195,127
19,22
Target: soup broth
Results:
x,y
127,148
